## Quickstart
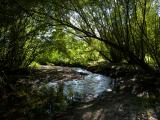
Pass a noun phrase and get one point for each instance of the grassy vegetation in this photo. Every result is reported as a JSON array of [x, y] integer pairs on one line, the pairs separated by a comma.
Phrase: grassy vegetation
[[107, 35]]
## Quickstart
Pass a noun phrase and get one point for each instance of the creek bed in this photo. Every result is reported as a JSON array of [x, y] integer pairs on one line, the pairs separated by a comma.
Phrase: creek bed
[[88, 88]]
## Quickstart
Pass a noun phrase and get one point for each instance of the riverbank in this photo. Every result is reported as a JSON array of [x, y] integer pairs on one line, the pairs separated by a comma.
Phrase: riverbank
[[28, 97], [132, 97], [115, 106]]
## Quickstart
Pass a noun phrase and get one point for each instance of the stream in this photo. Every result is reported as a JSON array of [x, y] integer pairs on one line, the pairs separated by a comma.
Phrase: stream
[[88, 88], [49, 92]]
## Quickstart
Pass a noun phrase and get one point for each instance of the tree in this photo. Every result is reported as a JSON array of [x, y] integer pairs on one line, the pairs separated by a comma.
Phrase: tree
[[122, 25], [17, 28]]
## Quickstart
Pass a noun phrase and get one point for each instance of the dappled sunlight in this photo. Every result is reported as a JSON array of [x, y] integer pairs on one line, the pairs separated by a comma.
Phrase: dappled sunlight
[[115, 107], [49, 89], [39, 91], [98, 115], [80, 60]]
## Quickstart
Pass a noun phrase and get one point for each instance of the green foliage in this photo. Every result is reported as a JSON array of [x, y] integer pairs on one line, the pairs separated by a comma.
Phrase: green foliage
[[121, 25], [52, 31], [34, 65], [67, 50]]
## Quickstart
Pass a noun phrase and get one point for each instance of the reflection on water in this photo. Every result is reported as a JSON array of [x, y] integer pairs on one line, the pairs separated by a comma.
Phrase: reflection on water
[[87, 89], [81, 71], [35, 98]]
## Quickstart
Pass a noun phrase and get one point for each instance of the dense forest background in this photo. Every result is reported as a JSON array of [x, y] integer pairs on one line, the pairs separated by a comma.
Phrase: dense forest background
[[117, 38], [79, 32]]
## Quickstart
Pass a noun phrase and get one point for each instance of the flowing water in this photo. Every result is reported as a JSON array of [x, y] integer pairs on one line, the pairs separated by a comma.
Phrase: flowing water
[[43, 93], [90, 87]]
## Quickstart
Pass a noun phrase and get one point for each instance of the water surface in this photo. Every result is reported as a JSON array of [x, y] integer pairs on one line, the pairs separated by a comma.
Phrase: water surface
[[86, 89]]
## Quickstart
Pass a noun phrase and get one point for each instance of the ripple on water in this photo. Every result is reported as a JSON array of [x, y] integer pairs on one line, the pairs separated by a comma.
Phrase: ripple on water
[[87, 89]]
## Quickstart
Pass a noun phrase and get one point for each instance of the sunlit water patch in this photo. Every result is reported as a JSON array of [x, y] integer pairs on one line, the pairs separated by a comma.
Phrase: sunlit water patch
[[87, 89]]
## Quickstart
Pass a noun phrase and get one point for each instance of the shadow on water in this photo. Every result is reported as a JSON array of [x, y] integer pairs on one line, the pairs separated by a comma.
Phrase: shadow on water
[[65, 93], [86, 89], [47, 92]]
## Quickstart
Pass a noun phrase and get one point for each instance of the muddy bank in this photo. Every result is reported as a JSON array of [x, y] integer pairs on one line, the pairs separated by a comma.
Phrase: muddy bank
[[115, 106], [28, 98]]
